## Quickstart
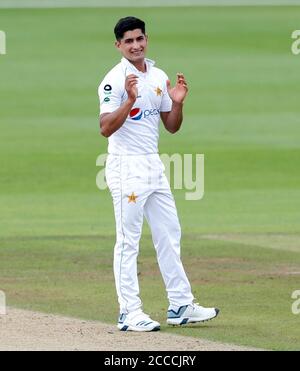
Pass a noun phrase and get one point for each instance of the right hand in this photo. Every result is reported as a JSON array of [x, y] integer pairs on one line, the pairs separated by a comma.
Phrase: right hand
[[131, 87]]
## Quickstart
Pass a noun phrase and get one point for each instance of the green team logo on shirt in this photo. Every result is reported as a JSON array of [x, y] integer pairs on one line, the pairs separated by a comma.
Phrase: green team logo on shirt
[[106, 100]]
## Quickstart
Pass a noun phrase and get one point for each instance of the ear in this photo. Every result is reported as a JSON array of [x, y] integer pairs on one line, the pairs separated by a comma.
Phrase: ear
[[117, 44]]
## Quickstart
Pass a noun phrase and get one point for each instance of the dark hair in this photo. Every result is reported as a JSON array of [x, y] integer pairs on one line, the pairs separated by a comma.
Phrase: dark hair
[[128, 24]]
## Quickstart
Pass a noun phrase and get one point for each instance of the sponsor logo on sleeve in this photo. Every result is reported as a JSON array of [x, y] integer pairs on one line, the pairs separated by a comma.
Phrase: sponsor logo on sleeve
[[107, 87]]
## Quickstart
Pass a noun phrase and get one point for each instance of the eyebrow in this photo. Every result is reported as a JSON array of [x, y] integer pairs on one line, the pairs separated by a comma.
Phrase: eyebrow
[[131, 39]]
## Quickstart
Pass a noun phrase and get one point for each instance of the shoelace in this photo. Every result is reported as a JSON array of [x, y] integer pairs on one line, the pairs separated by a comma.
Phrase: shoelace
[[196, 304], [141, 317]]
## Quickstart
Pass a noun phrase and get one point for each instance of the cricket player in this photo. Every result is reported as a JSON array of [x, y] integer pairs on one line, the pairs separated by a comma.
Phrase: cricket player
[[134, 96]]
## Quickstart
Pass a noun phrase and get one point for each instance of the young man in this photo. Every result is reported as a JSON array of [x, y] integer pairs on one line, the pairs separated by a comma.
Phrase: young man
[[134, 95]]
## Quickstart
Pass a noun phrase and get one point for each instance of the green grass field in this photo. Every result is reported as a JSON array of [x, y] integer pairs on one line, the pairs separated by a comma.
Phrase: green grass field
[[241, 243]]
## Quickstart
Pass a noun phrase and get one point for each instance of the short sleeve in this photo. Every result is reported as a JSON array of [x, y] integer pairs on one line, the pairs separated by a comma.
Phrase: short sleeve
[[166, 103], [110, 95]]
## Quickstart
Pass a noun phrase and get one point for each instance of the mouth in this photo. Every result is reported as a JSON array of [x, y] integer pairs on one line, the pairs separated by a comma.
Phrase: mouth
[[137, 53]]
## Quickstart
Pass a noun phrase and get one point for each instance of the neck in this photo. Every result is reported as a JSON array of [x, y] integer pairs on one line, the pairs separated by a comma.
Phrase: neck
[[141, 65]]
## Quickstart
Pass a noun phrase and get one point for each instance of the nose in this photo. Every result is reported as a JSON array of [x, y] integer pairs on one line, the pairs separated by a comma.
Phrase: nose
[[136, 45]]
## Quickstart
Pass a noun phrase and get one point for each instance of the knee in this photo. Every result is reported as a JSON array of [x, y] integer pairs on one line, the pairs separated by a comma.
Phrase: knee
[[167, 230]]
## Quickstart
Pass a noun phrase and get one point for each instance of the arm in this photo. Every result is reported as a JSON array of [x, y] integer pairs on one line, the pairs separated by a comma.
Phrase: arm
[[111, 122], [172, 120]]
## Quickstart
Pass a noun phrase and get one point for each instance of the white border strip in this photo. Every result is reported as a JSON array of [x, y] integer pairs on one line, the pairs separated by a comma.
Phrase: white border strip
[[138, 3]]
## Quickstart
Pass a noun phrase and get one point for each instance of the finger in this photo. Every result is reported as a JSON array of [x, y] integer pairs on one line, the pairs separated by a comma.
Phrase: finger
[[168, 84], [134, 82], [133, 85], [131, 82], [181, 83], [180, 75], [132, 75], [133, 79], [184, 86]]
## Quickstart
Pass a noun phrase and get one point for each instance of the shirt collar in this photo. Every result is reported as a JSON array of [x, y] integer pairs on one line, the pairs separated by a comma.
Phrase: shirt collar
[[130, 67]]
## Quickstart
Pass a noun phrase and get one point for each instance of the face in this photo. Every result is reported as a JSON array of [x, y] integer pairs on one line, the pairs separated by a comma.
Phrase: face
[[133, 46]]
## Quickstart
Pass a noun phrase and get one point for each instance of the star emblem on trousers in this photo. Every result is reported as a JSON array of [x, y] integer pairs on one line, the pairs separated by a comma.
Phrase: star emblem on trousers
[[132, 198]]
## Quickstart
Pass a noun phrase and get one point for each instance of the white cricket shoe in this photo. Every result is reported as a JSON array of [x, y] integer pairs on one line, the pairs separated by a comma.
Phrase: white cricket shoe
[[191, 313], [137, 321]]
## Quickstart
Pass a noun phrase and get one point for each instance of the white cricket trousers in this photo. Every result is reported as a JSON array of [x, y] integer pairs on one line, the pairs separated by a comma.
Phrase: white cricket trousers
[[140, 188]]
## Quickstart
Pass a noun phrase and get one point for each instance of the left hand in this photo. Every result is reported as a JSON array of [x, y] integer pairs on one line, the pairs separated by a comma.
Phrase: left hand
[[179, 92]]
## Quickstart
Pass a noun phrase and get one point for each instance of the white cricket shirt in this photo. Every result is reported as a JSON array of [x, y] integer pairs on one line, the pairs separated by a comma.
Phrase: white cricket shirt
[[140, 132]]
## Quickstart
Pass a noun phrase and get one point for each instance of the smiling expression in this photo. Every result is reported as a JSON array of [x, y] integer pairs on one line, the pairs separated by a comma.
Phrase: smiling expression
[[133, 46]]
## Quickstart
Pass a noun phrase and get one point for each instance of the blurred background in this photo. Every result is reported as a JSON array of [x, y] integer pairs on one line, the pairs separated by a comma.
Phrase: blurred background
[[241, 242]]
